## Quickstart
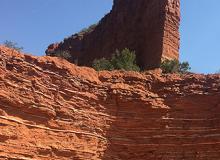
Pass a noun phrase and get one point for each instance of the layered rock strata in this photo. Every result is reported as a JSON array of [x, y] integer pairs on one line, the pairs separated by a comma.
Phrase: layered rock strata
[[149, 27], [51, 109]]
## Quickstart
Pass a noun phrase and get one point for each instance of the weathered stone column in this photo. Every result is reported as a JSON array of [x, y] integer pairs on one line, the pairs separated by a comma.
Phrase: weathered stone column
[[150, 27]]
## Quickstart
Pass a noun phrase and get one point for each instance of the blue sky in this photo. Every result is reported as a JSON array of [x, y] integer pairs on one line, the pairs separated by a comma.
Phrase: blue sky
[[34, 24]]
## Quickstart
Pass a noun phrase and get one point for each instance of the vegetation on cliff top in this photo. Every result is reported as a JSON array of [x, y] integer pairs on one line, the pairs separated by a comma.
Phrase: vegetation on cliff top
[[63, 54], [120, 60], [12, 45], [174, 66], [88, 29], [126, 60]]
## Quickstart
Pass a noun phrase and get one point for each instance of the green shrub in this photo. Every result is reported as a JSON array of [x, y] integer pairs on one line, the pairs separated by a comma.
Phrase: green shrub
[[184, 67], [62, 54], [12, 45], [170, 66], [174, 66], [124, 60], [102, 64], [88, 29]]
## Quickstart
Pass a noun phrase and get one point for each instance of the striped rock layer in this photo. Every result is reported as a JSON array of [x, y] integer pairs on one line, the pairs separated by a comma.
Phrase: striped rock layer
[[51, 109]]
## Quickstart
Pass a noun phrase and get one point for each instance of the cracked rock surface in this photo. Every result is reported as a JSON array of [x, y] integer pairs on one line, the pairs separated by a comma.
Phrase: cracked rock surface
[[51, 109]]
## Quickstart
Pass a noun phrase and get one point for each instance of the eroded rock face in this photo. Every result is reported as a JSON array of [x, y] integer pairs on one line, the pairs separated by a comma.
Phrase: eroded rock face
[[51, 109], [150, 27]]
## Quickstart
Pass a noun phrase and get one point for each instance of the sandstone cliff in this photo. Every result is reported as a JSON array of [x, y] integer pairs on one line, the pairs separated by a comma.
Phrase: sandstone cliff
[[150, 27], [51, 109]]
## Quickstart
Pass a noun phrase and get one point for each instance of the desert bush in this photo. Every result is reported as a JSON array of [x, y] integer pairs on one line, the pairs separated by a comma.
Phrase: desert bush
[[62, 54], [184, 67], [88, 29], [170, 66], [102, 64], [124, 60], [12, 45], [174, 66]]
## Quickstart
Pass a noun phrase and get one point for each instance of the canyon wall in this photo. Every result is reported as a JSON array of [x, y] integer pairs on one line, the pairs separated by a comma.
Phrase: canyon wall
[[52, 109], [149, 27]]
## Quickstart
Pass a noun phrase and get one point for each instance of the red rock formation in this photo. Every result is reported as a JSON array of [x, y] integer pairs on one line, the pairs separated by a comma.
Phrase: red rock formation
[[150, 27], [51, 109]]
